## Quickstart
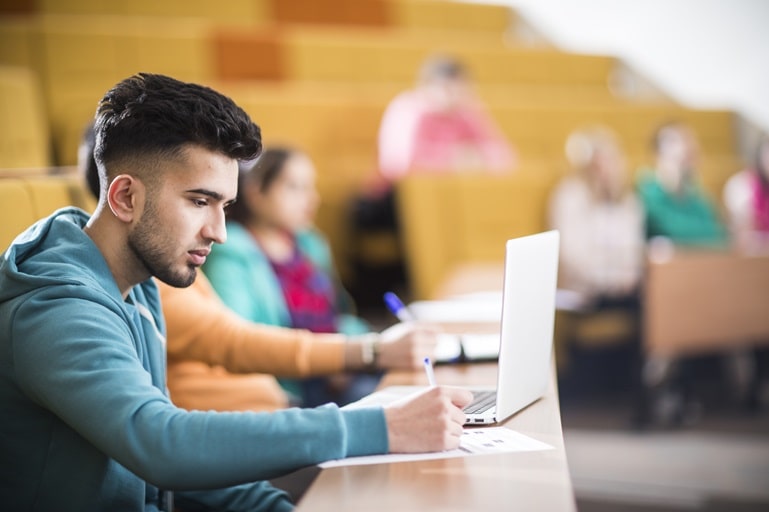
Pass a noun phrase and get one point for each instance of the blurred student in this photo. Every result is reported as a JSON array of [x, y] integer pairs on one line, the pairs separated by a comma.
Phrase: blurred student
[[277, 269], [86, 168], [87, 424], [601, 258], [600, 219], [215, 356], [440, 126], [746, 197], [677, 207], [679, 213]]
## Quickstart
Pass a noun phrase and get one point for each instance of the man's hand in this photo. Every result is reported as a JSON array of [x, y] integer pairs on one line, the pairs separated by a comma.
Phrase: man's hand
[[430, 421], [404, 346]]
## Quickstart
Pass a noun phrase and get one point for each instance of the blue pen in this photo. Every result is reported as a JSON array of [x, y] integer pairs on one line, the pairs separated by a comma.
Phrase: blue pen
[[397, 308], [429, 372]]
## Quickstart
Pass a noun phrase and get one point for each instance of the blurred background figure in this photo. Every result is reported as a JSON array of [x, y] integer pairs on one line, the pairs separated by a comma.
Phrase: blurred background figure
[[679, 215], [440, 126], [601, 222], [746, 197], [86, 164], [677, 207], [276, 269], [86, 167]]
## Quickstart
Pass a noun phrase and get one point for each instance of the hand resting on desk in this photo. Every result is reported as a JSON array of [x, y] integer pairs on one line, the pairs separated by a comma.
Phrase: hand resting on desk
[[430, 421]]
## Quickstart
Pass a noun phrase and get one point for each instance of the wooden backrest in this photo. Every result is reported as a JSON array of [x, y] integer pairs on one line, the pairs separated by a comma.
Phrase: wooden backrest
[[698, 302], [16, 210], [23, 123], [439, 14], [229, 12], [395, 55], [453, 219], [49, 193], [25, 199]]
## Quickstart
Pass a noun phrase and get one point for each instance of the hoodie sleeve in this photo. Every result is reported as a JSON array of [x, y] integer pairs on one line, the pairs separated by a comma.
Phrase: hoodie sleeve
[[86, 362], [202, 328]]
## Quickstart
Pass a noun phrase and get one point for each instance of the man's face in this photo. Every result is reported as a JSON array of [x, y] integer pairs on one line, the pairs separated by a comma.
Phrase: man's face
[[183, 216]]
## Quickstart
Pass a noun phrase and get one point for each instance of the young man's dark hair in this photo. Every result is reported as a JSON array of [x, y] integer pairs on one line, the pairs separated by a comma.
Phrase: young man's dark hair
[[147, 117]]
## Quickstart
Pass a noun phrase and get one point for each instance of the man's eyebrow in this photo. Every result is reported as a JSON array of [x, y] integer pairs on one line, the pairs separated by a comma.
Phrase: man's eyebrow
[[204, 192]]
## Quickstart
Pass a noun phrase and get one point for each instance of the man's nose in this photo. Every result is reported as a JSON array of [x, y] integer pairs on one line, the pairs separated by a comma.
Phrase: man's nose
[[216, 228]]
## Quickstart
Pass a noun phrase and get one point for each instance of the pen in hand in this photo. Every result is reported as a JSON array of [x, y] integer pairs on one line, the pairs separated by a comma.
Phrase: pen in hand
[[397, 308], [429, 372]]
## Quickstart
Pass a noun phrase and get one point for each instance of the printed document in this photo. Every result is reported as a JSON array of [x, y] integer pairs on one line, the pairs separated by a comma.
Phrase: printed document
[[475, 441]]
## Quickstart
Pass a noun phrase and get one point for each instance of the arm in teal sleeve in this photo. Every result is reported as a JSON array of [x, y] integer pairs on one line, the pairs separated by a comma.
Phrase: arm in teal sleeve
[[89, 372]]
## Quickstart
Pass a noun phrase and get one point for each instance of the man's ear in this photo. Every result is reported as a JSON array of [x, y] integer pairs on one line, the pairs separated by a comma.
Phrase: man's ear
[[122, 197]]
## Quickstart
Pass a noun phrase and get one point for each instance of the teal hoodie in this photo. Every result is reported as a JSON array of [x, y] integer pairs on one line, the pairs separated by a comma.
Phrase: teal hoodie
[[86, 421], [244, 279]]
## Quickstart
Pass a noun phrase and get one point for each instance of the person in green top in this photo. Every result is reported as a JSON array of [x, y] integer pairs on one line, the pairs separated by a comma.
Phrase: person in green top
[[676, 206], [678, 211]]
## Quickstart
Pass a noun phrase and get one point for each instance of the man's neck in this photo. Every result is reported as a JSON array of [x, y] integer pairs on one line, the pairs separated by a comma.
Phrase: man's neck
[[109, 238]]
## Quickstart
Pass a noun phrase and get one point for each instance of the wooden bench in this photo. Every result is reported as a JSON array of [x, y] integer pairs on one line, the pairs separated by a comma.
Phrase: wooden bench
[[230, 12], [700, 302], [27, 195], [453, 219], [23, 124]]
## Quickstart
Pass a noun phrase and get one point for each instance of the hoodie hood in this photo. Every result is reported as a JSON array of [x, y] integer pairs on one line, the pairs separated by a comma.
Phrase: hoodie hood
[[53, 247]]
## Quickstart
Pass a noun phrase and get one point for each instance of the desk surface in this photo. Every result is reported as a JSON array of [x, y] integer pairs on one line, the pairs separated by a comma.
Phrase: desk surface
[[700, 302], [528, 480]]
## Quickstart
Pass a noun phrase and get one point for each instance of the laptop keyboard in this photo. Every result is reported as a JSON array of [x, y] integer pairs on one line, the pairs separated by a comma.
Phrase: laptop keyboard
[[482, 400]]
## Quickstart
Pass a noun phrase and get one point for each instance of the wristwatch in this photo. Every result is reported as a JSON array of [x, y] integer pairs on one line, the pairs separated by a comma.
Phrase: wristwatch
[[369, 350]]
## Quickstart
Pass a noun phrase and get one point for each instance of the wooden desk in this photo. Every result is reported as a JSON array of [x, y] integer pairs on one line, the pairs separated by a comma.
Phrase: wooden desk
[[527, 481], [699, 302]]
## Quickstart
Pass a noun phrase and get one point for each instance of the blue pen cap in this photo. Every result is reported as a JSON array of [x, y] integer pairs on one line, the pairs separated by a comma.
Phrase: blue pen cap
[[393, 303]]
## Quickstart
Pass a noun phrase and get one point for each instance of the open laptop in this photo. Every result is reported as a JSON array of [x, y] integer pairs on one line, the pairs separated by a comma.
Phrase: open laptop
[[525, 338], [526, 330]]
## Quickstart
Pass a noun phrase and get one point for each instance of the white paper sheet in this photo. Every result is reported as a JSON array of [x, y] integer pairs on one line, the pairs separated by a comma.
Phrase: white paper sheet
[[475, 441], [458, 311]]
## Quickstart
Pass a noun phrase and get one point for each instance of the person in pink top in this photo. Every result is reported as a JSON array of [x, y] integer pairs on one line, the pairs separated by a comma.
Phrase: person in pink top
[[440, 126], [746, 198]]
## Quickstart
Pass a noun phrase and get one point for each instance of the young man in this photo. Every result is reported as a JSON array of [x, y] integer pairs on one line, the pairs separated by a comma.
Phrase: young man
[[87, 424]]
